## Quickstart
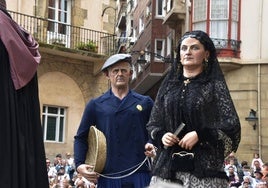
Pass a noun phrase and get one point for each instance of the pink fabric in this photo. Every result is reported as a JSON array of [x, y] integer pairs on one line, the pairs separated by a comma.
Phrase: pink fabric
[[22, 50]]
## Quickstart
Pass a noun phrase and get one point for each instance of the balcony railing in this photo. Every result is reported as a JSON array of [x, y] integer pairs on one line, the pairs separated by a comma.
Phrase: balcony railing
[[61, 34], [227, 48]]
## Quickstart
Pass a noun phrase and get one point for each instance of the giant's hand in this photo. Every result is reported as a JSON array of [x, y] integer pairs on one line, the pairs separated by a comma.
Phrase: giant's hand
[[169, 139], [189, 140], [149, 150], [86, 171]]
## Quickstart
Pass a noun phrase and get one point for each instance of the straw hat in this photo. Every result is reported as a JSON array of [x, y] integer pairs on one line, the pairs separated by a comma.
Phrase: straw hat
[[96, 154]]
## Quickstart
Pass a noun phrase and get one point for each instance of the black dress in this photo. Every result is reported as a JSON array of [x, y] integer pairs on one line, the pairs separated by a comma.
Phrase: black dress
[[22, 154]]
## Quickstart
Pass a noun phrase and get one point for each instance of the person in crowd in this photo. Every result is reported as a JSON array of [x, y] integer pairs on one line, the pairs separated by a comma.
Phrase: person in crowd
[[257, 179], [58, 161], [70, 167], [231, 163], [257, 166], [233, 177], [247, 182], [265, 179], [247, 171], [256, 157], [23, 154], [51, 172], [62, 179], [121, 114], [265, 169], [194, 123], [242, 170]]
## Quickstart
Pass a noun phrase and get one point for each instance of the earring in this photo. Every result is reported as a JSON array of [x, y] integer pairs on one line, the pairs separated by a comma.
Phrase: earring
[[205, 63]]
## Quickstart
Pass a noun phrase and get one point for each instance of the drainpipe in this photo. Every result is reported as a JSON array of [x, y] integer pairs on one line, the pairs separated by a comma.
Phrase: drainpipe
[[19, 5], [259, 78], [187, 5]]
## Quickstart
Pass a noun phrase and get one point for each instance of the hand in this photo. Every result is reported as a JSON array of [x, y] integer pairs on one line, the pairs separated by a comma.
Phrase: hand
[[169, 139], [149, 150], [86, 171], [189, 140]]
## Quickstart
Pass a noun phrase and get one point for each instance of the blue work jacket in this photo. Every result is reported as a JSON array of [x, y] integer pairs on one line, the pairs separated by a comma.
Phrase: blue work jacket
[[123, 124]]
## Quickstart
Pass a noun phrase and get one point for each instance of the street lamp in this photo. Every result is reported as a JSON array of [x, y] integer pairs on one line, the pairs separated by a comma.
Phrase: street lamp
[[252, 118]]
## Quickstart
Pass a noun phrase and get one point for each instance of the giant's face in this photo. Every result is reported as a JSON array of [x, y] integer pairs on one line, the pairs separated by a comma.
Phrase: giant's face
[[192, 53], [119, 74]]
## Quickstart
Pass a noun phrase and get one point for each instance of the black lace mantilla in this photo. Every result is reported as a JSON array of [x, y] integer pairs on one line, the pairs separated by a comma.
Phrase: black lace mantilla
[[204, 104]]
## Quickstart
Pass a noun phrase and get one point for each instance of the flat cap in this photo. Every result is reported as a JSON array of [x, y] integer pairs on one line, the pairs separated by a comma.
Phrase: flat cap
[[115, 59]]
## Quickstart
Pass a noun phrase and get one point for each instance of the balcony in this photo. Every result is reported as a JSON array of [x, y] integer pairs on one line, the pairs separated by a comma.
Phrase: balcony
[[149, 69], [175, 12], [228, 53], [55, 36]]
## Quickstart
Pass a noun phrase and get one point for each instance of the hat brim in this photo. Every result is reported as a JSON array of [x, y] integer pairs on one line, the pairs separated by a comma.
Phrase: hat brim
[[96, 154]]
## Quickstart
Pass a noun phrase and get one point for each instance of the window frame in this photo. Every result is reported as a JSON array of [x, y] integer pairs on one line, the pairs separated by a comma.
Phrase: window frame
[[59, 126], [231, 20], [162, 53]]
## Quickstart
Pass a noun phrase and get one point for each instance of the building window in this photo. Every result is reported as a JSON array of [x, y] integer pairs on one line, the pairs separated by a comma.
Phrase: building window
[[169, 5], [53, 122], [58, 16], [141, 24], [160, 4], [214, 17], [58, 21], [200, 15], [220, 19], [159, 48], [235, 19]]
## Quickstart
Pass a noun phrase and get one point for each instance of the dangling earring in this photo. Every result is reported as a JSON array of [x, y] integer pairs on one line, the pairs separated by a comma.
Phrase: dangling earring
[[205, 63]]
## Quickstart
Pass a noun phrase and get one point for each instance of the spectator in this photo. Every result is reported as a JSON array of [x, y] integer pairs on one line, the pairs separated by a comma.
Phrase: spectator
[[256, 157], [247, 171], [247, 182], [257, 166], [51, 172], [70, 165], [230, 164], [233, 177], [265, 169], [61, 179], [257, 178]]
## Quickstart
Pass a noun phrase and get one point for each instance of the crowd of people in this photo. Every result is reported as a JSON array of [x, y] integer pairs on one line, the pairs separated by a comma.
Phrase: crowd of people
[[241, 174], [246, 174], [62, 173]]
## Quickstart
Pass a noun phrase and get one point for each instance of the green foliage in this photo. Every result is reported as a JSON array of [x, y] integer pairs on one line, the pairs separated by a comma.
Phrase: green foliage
[[89, 46]]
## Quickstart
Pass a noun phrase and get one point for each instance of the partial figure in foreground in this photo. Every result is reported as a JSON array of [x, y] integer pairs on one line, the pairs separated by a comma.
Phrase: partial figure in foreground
[[23, 161], [194, 96]]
